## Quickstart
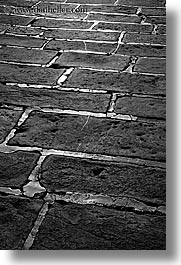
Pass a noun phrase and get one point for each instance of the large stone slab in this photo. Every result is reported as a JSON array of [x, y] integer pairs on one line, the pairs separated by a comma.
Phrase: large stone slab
[[118, 82], [93, 135], [17, 217], [81, 227], [54, 99], [63, 174]]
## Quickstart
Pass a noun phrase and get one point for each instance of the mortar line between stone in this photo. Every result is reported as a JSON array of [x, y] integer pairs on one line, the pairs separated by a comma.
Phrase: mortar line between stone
[[31, 237]]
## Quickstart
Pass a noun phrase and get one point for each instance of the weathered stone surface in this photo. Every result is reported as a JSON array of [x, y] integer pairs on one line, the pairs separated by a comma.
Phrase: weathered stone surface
[[29, 74], [137, 28], [51, 23], [8, 119], [93, 135], [54, 99], [73, 226], [142, 50], [60, 45], [101, 47], [29, 31], [114, 18], [80, 45], [21, 41], [15, 168], [109, 9], [154, 11], [120, 82], [156, 19], [17, 217], [96, 61], [25, 55], [82, 35], [151, 65], [142, 107], [15, 20], [149, 3], [145, 38], [62, 174]]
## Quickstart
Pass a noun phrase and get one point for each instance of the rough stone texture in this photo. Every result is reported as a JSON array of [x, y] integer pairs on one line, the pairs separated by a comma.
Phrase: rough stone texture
[[114, 18], [15, 20], [61, 45], [29, 31], [154, 11], [124, 41], [62, 174], [80, 45], [138, 28], [113, 62], [25, 56], [142, 50], [51, 23], [109, 9], [151, 65], [156, 20], [8, 119], [21, 41], [105, 136], [118, 82], [82, 35], [15, 168], [17, 217], [142, 107], [54, 99], [148, 3], [101, 47], [145, 38], [29, 74], [72, 226]]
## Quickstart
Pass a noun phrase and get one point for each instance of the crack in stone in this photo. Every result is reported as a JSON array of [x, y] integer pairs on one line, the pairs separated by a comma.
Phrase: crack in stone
[[41, 216], [122, 203], [10, 191]]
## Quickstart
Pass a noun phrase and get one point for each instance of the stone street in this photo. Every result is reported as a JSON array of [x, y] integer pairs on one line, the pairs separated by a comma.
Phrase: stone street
[[83, 124]]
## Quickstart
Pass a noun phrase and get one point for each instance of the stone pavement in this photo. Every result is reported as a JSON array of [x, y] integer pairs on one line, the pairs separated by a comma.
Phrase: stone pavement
[[82, 124]]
